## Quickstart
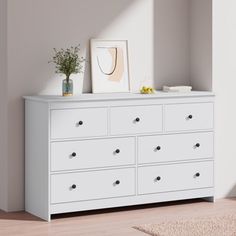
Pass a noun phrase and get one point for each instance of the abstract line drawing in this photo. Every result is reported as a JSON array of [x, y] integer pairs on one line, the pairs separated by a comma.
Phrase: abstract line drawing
[[109, 66]]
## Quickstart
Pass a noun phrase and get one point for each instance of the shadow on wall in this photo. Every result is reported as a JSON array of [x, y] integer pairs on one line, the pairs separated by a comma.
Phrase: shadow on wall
[[232, 192], [34, 28], [171, 43], [48, 24]]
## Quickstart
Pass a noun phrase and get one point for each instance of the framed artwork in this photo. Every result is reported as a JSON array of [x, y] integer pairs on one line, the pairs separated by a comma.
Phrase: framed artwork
[[109, 65]]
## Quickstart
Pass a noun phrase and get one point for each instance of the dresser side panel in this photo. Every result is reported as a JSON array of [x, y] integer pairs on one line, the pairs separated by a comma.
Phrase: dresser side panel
[[37, 159]]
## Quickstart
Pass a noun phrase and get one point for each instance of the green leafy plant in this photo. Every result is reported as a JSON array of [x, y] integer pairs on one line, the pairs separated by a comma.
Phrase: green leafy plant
[[67, 61]]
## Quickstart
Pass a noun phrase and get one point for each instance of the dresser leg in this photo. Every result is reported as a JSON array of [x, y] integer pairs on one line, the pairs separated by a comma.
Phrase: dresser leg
[[209, 199]]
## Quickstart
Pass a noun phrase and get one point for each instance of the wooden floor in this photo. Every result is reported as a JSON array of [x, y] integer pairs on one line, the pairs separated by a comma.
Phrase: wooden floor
[[117, 222]]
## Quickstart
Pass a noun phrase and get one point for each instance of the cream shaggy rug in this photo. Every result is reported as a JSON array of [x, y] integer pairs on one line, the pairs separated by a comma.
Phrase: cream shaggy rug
[[207, 226]]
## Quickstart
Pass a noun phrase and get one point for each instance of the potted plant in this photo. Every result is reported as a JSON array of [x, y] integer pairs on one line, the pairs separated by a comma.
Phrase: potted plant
[[67, 62]]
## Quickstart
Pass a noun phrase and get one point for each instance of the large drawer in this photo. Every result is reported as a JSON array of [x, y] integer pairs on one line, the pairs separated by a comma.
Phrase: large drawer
[[174, 147], [181, 117], [92, 153], [92, 185], [156, 179], [72, 123], [136, 119]]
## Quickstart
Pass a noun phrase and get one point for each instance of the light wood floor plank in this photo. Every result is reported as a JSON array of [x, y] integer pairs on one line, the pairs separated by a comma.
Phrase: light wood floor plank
[[117, 222]]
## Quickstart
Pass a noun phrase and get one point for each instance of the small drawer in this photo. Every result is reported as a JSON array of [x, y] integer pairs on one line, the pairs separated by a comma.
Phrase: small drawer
[[156, 179], [73, 123], [92, 185], [181, 117], [174, 147], [92, 153], [136, 119]]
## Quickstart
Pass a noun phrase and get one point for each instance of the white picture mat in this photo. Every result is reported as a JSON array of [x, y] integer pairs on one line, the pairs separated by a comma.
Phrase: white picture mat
[[99, 83]]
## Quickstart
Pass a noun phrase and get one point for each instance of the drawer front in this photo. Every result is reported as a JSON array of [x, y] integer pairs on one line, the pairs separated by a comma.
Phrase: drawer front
[[165, 178], [92, 185], [92, 153], [72, 123], [180, 117], [136, 119], [162, 148]]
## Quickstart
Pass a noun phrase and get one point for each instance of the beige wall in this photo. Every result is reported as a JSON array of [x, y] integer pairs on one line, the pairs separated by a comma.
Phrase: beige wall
[[3, 104], [35, 27], [224, 84], [171, 43], [158, 32], [201, 44]]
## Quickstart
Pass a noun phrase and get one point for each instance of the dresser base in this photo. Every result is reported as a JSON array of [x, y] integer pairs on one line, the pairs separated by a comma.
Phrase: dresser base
[[206, 193]]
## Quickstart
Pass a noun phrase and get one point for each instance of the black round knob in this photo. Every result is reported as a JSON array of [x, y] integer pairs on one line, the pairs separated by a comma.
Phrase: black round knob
[[158, 178], [73, 186], [197, 145], [158, 148], [73, 154], [117, 182], [117, 151], [80, 122], [197, 174], [190, 117], [137, 119]]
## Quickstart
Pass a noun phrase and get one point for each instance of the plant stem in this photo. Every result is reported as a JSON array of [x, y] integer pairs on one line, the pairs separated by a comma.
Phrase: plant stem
[[67, 79]]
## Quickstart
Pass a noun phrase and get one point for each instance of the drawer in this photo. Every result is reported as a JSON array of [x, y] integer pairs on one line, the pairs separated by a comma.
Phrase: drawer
[[92, 185], [92, 153], [180, 117], [72, 123], [165, 178], [162, 148], [136, 119]]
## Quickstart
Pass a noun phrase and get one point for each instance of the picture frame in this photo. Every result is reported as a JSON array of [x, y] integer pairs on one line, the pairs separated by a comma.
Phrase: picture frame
[[109, 66]]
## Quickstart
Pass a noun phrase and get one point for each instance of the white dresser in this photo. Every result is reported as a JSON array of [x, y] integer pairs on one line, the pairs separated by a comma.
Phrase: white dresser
[[103, 151]]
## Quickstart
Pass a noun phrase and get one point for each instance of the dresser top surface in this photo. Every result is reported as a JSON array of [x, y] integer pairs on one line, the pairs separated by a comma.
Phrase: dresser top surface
[[117, 96]]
